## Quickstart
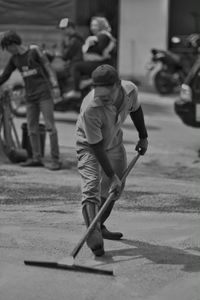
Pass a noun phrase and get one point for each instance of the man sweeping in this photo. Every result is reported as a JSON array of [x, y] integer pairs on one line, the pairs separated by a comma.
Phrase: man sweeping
[[100, 151]]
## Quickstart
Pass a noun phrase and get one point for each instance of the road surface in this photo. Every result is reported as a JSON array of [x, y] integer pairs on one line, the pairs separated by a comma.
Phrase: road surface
[[159, 256]]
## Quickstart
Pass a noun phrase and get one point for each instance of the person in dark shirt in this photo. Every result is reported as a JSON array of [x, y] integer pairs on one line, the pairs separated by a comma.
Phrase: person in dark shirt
[[41, 86], [96, 51], [68, 52], [72, 41]]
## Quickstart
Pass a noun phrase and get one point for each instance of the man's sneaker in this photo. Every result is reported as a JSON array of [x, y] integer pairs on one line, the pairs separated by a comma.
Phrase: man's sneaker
[[108, 235], [32, 163], [54, 165]]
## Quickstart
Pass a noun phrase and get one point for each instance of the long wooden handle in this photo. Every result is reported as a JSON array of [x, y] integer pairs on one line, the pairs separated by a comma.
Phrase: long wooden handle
[[110, 198]]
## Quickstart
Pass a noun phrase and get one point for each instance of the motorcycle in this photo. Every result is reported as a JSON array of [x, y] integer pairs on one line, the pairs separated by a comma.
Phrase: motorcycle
[[61, 104], [187, 107], [168, 69]]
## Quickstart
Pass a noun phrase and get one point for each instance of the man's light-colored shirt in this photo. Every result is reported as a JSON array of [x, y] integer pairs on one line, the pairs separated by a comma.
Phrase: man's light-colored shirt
[[100, 120]]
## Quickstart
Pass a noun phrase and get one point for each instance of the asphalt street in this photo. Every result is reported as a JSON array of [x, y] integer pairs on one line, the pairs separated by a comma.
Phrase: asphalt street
[[158, 213]]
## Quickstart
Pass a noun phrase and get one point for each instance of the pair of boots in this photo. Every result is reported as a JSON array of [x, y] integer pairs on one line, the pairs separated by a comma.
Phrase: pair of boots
[[100, 232]]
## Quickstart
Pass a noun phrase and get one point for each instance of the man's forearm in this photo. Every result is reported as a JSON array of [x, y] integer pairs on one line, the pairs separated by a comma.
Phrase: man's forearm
[[102, 157], [138, 120], [46, 64]]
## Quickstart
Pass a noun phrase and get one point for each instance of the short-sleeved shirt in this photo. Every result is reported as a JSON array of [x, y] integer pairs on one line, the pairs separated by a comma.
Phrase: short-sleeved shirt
[[35, 77], [102, 121]]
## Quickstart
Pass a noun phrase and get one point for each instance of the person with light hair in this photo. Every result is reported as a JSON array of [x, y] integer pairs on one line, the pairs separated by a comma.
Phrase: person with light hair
[[97, 50]]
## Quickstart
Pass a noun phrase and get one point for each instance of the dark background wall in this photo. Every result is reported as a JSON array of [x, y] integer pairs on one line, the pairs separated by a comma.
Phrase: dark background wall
[[48, 12], [184, 18], [35, 12]]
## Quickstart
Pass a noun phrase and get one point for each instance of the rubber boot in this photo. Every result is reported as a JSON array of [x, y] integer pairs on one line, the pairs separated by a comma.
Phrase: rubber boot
[[53, 136], [36, 146], [95, 240], [36, 160], [108, 235]]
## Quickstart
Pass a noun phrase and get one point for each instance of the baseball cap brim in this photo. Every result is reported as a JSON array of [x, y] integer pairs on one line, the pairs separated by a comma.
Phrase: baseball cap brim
[[100, 91]]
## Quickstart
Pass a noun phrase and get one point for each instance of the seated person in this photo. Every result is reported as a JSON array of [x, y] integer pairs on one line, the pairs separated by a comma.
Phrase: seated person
[[96, 51], [69, 51]]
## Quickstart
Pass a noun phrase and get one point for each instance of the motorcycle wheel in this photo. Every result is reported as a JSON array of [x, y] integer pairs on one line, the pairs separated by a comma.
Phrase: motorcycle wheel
[[162, 83], [17, 101]]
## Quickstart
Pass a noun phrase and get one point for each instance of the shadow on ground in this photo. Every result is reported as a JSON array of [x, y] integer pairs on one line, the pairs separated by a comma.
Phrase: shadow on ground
[[157, 254]]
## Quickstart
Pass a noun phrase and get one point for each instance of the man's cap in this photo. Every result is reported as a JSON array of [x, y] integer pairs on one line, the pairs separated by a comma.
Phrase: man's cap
[[104, 75], [65, 22]]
